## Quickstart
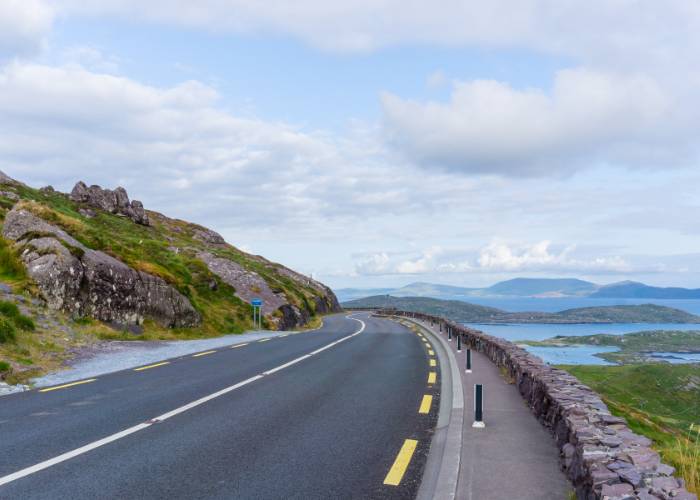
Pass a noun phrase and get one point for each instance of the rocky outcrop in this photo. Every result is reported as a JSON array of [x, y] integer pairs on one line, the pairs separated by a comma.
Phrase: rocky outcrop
[[88, 283], [114, 202], [7, 180], [208, 236], [276, 307], [325, 302], [602, 457], [250, 285]]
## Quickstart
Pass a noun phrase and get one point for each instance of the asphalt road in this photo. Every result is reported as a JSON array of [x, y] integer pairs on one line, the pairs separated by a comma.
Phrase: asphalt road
[[215, 425]]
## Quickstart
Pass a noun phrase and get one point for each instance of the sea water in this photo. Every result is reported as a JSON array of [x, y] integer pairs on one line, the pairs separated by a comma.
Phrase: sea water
[[580, 354]]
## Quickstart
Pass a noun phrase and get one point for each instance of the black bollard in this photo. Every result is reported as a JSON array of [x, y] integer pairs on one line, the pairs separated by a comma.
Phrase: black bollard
[[459, 342], [469, 360], [478, 406], [449, 333]]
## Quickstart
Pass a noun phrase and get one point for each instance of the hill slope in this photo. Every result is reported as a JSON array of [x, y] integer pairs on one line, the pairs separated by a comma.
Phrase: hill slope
[[470, 313], [529, 287], [634, 290], [95, 254]]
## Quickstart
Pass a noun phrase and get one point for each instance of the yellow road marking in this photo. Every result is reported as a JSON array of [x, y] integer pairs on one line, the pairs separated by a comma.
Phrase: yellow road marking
[[425, 404], [151, 366], [239, 345], [433, 362], [49, 389], [203, 354], [432, 376], [395, 475], [263, 340], [431, 352]]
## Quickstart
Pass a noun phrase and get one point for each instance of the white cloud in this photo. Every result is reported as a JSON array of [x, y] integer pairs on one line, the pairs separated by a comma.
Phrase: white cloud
[[588, 117], [493, 259], [595, 29], [24, 25], [500, 257]]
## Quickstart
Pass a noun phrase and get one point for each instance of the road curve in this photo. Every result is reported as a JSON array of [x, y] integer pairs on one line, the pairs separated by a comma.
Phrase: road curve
[[326, 414]]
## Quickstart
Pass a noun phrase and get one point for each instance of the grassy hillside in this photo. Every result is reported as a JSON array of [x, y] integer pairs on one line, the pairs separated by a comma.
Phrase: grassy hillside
[[465, 312], [658, 400], [168, 248]]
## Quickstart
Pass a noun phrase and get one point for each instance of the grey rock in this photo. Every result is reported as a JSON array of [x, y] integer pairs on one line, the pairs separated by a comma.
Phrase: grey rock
[[114, 202], [47, 189], [250, 285], [618, 491], [10, 195], [632, 476], [84, 282], [208, 236], [6, 179]]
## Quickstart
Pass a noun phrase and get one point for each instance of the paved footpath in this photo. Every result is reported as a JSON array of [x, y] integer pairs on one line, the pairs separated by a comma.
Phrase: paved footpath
[[514, 457]]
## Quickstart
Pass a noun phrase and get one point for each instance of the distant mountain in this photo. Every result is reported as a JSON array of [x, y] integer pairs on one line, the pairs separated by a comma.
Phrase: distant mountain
[[530, 287], [464, 312], [432, 290], [635, 290]]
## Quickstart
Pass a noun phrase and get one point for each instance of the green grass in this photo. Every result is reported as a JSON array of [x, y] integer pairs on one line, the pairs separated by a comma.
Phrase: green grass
[[658, 400], [150, 249]]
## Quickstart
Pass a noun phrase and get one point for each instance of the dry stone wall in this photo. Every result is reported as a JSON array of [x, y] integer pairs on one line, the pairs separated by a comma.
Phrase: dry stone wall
[[601, 456]]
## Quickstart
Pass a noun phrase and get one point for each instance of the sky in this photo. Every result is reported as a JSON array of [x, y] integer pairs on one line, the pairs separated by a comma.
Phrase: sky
[[377, 143]]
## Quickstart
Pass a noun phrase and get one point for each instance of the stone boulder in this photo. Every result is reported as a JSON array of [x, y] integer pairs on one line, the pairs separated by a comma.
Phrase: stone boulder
[[208, 236], [114, 202], [88, 283]]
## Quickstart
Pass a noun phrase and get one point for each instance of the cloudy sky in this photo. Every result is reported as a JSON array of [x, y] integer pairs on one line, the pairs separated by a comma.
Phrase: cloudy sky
[[376, 143]]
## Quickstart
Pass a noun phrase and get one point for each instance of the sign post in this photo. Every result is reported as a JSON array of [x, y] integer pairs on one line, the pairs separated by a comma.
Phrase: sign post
[[257, 312]]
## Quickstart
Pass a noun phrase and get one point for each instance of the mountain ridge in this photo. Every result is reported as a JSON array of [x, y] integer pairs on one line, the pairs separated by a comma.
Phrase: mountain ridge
[[465, 312], [529, 287]]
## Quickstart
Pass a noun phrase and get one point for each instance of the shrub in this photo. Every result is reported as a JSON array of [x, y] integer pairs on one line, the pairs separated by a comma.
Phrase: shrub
[[4, 366], [7, 331], [9, 309], [11, 266], [25, 323], [11, 313]]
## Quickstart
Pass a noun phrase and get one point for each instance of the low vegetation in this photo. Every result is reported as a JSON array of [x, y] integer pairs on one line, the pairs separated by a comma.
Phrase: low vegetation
[[658, 400], [634, 347]]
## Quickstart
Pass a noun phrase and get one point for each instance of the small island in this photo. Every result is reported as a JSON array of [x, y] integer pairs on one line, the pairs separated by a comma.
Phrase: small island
[[465, 312], [639, 347]]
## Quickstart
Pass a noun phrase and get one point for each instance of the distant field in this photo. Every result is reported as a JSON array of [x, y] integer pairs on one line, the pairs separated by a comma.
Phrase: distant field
[[660, 401]]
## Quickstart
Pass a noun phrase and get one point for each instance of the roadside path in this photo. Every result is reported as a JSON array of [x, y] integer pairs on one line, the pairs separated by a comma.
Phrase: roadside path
[[513, 457]]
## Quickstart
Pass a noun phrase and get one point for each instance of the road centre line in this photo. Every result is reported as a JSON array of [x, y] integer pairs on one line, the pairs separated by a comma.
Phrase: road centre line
[[432, 377], [131, 430], [239, 345], [433, 362]]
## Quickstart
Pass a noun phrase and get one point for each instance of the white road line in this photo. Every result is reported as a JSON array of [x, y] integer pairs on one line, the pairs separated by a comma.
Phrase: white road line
[[165, 416]]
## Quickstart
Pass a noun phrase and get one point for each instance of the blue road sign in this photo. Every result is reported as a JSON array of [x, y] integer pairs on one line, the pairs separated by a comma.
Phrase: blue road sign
[[256, 302]]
